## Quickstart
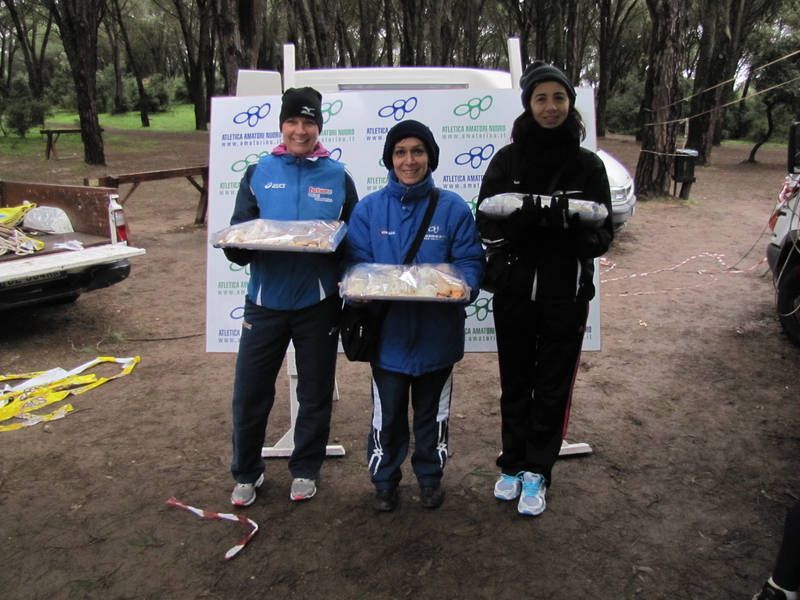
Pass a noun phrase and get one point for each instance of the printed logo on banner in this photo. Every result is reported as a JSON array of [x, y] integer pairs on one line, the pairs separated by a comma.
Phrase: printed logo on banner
[[253, 115], [331, 109], [398, 109], [250, 159], [460, 119], [476, 156], [480, 311], [474, 107]]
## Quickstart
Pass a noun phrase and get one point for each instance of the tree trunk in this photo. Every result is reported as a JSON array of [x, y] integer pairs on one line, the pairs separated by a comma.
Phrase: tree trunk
[[767, 135], [661, 94], [368, 17], [26, 38], [389, 26], [714, 49], [309, 36], [240, 27], [134, 64], [78, 22]]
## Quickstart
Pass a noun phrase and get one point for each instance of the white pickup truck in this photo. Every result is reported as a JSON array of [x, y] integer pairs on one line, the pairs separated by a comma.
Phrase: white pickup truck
[[53, 274]]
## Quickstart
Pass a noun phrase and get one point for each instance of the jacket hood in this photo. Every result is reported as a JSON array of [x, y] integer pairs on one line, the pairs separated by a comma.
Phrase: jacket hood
[[319, 151], [408, 193]]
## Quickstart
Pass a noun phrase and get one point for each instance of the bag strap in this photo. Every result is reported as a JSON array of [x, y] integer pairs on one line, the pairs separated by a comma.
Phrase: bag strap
[[412, 252], [423, 227]]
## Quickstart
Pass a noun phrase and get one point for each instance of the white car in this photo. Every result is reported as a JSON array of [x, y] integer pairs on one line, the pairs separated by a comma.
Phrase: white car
[[623, 196], [783, 256]]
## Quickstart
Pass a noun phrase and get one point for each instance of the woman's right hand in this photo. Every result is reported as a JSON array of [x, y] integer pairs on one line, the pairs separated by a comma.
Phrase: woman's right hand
[[522, 221]]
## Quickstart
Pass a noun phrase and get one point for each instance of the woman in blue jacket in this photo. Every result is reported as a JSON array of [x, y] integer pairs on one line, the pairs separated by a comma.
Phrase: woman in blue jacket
[[420, 341], [291, 296]]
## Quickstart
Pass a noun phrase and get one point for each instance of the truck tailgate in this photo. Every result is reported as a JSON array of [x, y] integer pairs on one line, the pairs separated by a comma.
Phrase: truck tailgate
[[62, 261]]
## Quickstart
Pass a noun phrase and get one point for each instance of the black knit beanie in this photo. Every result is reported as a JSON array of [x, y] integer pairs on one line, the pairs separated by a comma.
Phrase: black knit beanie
[[539, 72], [411, 129], [302, 102]]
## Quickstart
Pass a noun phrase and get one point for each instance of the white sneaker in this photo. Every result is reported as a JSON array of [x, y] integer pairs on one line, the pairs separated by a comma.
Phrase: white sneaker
[[531, 501], [303, 489], [244, 494], [508, 487]]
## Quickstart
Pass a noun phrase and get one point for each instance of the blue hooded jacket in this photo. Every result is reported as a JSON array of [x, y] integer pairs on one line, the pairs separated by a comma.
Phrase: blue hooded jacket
[[418, 337], [289, 188]]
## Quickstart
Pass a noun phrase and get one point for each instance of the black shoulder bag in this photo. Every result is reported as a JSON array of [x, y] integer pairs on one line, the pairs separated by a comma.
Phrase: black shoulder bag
[[361, 327]]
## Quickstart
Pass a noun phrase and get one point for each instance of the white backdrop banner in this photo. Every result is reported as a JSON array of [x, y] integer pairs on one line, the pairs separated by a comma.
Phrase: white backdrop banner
[[469, 126]]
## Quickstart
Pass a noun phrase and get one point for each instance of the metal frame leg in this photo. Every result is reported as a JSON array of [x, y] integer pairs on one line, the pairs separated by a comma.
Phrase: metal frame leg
[[568, 449]]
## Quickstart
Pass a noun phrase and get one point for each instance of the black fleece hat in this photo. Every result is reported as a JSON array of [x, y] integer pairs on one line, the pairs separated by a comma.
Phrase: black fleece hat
[[302, 102], [539, 72], [411, 129]]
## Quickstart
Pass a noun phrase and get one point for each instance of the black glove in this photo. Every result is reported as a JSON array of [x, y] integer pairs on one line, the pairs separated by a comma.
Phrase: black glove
[[239, 256], [557, 215], [522, 222]]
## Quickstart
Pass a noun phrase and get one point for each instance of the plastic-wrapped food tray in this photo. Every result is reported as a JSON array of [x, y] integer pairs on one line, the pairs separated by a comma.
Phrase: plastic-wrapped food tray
[[425, 282], [282, 236], [502, 205]]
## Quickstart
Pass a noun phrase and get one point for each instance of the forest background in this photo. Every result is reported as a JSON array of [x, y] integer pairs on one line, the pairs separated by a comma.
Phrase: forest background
[[704, 70]]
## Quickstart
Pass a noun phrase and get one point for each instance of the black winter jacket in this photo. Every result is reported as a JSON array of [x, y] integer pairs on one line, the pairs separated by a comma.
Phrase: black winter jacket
[[548, 264]]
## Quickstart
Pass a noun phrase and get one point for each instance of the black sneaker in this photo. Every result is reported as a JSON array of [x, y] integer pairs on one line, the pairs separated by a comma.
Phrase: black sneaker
[[431, 496], [385, 500], [770, 593]]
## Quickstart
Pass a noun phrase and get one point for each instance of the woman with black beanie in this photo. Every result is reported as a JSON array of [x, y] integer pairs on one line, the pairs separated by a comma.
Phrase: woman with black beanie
[[541, 261], [420, 341]]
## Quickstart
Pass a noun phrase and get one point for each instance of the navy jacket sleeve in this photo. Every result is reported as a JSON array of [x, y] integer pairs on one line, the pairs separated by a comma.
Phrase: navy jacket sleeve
[[245, 209]]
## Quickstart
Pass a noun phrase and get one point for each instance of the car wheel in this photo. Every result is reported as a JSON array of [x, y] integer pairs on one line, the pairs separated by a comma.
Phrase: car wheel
[[789, 302]]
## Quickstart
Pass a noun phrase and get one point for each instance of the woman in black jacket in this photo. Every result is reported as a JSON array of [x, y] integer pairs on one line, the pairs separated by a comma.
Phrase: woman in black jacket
[[542, 259]]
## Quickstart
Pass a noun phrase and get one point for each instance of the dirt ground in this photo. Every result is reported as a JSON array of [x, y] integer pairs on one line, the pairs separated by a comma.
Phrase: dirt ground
[[691, 409]]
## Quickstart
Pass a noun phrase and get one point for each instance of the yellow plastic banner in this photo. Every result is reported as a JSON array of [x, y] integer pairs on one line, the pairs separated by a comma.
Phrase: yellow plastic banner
[[13, 215], [18, 402]]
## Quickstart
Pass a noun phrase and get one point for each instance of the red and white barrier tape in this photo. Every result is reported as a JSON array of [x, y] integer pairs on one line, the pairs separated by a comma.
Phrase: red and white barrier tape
[[719, 257], [227, 516]]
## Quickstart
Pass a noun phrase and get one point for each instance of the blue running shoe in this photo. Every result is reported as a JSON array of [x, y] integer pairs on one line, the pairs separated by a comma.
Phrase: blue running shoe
[[508, 487], [531, 501]]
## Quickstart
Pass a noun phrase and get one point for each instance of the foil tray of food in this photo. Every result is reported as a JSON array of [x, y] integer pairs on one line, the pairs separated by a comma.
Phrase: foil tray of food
[[282, 236], [426, 282]]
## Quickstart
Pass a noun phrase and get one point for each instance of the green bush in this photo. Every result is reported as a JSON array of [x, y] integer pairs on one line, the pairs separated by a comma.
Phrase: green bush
[[61, 90], [622, 109], [159, 91], [21, 112], [107, 101]]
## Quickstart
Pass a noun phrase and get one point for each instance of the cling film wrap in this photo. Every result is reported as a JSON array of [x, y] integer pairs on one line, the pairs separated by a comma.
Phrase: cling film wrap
[[426, 282], [20, 401], [283, 236], [502, 206]]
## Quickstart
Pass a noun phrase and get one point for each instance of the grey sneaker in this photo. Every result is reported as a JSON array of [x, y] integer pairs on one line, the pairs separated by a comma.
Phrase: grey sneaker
[[531, 501], [303, 489], [244, 494], [508, 487]]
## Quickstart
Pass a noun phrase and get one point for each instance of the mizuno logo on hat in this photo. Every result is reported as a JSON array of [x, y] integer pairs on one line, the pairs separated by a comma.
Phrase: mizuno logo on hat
[[307, 110]]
